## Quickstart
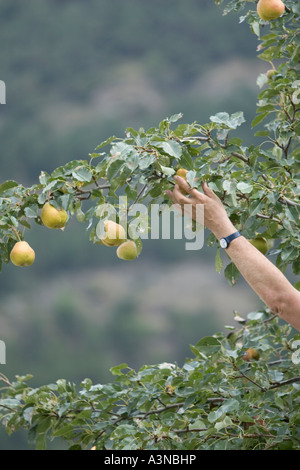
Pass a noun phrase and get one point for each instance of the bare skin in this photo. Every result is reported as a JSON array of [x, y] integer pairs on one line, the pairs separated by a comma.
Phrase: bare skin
[[264, 277]]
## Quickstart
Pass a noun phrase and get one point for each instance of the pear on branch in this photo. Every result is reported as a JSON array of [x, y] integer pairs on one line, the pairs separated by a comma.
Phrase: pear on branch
[[262, 244], [127, 250], [114, 234], [52, 217], [182, 172], [269, 10], [251, 354], [22, 254]]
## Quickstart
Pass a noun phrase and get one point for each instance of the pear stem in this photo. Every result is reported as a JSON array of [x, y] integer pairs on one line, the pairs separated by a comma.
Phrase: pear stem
[[16, 232]]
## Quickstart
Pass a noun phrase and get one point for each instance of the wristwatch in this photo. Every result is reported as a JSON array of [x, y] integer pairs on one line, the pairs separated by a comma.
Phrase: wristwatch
[[224, 242]]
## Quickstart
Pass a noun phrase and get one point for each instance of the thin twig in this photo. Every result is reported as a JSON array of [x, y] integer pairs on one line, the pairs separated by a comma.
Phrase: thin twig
[[160, 410]]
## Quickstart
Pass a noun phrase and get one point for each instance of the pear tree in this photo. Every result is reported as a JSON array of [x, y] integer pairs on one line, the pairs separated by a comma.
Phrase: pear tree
[[218, 399]]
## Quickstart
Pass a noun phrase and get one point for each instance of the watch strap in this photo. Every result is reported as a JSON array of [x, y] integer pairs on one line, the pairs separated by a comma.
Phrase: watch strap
[[232, 237]]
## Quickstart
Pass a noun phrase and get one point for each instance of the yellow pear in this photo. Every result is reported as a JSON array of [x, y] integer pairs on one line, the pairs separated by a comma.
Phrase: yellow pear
[[114, 234], [52, 217], [127, 251], [22, 254], [270, 9], [182, 172], [251, 354]]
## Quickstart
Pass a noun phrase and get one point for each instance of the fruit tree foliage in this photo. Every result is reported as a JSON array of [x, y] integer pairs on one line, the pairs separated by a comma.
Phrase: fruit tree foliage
[[217, 399]]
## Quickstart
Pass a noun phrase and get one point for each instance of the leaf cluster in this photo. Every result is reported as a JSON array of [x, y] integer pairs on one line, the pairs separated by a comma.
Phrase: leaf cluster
[[216, 400]]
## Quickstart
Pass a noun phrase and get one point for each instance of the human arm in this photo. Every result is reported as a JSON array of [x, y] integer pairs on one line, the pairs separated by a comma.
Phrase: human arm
[[264, 277]]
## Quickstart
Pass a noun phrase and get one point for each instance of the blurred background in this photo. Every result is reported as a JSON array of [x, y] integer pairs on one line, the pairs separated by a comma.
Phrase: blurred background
[[77, 72]]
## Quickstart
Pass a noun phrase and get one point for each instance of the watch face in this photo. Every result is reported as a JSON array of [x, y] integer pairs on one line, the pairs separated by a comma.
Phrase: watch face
[[223, 243]]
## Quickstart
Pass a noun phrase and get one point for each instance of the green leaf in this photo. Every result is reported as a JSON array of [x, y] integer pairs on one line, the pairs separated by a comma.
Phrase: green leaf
[[65, 431], [262, 133], [289, 253], [8, 185], [258, 119], [231, 121], [41, 442], [255, 207], [236, 141], [262, 80], [132, 160], [67, 169], [82, 174], [186, 160], [146, 159], [32, 211], [106, 142], [232, 274], [116, 370], [255, 315], [10, 402], [124, 430], [120, 150], [230, 405], [255, 26], [198, 424], [208, 341], [170, 147], [114, 168], [218, 261], [167, 170], [245, 188], [175, 117], [191, 178]]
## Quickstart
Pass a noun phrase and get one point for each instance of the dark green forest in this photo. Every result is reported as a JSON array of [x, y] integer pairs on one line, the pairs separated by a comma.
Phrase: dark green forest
[[77, 72]]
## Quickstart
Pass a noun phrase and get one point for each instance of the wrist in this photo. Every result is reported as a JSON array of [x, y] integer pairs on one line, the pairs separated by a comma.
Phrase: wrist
[[224, 230]]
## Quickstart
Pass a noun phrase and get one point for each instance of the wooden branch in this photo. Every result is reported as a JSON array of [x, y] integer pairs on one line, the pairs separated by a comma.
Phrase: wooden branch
[[285, 382]]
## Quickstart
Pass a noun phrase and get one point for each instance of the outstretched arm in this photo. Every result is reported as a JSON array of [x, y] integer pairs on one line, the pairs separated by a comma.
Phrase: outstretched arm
[[264, 277]]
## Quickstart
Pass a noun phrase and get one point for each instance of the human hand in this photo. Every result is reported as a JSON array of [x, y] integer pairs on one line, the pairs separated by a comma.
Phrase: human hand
[[215, 216]]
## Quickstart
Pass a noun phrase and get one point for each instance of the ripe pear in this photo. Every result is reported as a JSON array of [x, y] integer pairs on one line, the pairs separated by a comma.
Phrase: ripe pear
[[270, 9], [127, 251], [22, 254], [260, 243], [114, 234], [251, 354], [52, 217], [182, 172]]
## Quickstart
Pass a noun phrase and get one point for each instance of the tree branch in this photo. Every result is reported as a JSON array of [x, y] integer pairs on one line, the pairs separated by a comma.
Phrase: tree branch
[[285, 382]]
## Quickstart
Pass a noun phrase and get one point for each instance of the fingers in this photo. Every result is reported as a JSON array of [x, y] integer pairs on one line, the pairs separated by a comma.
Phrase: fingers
[[184, 185], [208, 192], [177, 197]]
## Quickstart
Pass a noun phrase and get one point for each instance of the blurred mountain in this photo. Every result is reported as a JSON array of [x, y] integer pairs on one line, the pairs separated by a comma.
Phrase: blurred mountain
[[77, 72]]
